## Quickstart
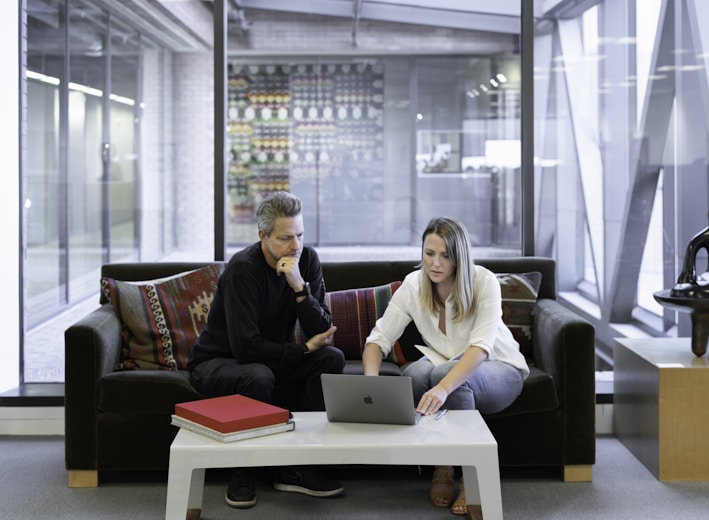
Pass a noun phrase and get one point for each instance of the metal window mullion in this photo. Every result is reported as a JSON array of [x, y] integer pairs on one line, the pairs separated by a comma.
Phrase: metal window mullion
[[527, 125], [220, 104], [137, 148], [106, 216], [63, 165]]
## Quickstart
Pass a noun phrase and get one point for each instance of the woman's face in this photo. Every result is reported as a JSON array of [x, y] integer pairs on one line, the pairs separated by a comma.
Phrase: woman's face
[[438, 266]]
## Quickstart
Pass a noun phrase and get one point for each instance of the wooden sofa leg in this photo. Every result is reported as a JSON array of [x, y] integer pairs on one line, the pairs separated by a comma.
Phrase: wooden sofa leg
[[578, 473], [83, 478]]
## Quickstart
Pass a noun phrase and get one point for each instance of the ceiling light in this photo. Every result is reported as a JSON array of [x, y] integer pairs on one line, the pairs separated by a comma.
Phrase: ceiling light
[[42, 77], [122, 99], [86, 90], [79, 88]]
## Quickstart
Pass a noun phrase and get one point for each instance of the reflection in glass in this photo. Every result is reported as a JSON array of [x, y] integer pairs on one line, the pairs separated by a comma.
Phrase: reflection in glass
[[83, 188], [337, 133]]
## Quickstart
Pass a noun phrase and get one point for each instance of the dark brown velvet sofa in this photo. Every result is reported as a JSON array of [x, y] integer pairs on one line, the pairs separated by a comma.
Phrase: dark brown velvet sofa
[[120, 420]]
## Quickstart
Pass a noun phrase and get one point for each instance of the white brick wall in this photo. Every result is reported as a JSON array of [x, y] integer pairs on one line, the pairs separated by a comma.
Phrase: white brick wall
[[194, 152]]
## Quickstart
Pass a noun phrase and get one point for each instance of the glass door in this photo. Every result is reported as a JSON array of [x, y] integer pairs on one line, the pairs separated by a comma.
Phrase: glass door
[[121, 159], [87, 129], [81, 176]]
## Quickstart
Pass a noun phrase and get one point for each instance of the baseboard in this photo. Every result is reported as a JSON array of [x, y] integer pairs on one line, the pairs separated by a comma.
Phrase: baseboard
[[37, 420], [604, 419], [32, 420]]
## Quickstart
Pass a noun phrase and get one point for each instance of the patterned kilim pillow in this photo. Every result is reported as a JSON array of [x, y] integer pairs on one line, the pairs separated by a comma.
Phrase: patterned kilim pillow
[[354, 312], [162, 318], [519, 295]]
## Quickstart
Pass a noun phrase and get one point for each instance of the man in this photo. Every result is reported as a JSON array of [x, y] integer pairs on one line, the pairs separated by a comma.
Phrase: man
[[247, 346]]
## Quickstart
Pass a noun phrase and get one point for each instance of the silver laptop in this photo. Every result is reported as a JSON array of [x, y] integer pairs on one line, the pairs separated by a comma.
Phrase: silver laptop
[[369, 399]]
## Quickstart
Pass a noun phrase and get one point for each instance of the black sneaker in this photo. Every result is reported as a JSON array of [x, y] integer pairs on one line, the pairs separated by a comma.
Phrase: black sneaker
[[241, 492], [301, 479]]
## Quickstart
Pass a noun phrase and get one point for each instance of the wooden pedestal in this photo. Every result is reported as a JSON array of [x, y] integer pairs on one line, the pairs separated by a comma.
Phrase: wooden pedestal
[[661, 406]]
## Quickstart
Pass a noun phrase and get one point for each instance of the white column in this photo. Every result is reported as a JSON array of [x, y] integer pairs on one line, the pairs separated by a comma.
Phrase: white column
[[9, 198]]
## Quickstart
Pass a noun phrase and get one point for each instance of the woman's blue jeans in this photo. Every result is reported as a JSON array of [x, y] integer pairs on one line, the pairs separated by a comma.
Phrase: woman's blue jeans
[[491, 388]]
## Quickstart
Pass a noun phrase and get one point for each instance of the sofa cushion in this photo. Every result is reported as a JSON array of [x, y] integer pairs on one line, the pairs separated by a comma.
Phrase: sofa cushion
[[538, 395], [162, 318], [124, 392], [354, 312], [519, 296]]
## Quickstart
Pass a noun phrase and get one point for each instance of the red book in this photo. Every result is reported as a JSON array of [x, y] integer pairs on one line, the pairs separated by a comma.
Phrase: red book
[[231, 413]]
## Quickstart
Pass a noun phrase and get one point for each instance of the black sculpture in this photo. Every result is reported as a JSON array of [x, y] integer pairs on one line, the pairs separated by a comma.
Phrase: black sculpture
[[691, 294]]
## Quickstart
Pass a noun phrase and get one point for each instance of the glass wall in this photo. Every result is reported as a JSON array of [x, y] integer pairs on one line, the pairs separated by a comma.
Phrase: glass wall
[[468, 145], [377, 137], [376, 146], [100, 179], [379, 120], [621, 137]]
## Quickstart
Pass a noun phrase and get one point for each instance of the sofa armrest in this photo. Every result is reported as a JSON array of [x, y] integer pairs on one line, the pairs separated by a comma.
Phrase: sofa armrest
[[564, 346], [91, 349]]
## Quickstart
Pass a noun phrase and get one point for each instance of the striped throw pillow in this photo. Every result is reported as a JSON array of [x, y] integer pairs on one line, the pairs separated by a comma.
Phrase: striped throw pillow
[[354, 312], [519, 296], [162, 318]]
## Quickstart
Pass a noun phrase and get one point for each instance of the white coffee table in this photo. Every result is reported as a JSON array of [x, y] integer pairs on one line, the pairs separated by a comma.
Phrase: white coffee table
[[461, 438]]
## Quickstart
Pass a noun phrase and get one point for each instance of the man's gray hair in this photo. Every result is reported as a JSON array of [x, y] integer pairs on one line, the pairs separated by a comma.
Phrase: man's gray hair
[[277, 204]]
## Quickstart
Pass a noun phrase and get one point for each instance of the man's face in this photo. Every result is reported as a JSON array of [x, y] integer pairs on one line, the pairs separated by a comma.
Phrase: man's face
[[286, 239]]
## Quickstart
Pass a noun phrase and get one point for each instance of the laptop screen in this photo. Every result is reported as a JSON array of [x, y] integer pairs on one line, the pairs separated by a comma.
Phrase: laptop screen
[[369, 399]]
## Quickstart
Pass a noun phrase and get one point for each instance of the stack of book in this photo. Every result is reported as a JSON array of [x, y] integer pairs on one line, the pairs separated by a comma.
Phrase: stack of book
[[232, 418]]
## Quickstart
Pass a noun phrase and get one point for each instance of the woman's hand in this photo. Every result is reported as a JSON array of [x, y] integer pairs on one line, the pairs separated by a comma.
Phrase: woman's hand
[[432, 400]]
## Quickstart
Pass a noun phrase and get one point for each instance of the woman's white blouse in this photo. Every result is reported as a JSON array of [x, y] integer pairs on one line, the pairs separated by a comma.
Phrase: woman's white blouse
[[482, 328]]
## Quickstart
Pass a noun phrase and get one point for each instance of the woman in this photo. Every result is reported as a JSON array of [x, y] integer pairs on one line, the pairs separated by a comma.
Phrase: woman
[[457, 308]]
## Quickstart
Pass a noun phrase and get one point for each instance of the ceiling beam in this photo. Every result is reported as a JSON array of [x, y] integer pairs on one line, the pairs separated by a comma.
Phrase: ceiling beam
[[153, 18], [399, 12], [355, 23]]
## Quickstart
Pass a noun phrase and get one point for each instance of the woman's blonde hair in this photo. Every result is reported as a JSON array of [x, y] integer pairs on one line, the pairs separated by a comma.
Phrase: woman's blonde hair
[[457, 243]]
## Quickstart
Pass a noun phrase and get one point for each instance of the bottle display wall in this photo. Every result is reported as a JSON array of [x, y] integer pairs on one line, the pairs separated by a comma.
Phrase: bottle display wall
[[259, 136], [319, 126]]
